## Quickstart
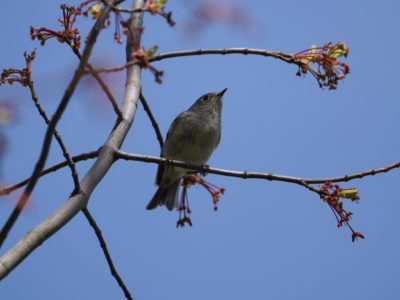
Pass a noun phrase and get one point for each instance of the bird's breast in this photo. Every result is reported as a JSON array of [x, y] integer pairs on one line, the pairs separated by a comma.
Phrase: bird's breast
[[194, 142]]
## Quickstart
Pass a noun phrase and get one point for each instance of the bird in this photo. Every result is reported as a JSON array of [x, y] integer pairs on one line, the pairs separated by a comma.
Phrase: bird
[[191, 138]]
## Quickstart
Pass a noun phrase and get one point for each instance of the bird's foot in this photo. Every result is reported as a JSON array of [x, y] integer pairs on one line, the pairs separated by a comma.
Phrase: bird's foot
[[204, 171]]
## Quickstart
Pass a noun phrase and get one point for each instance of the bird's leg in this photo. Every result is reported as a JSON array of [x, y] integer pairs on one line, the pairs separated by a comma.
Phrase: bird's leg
[[204, 171]]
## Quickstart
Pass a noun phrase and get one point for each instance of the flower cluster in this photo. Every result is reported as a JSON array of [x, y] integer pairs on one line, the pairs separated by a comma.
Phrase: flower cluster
[[329, 70], [68, 34], [183, 208], [21, 76], [332, 195]]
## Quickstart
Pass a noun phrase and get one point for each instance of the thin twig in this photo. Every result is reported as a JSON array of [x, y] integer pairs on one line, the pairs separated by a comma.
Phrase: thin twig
[[310, 187], [106, 90], [256, 175], [57, 135], [359, 175], [245, 51], [102, 84], [205, 169], [84, 156], [152, 119], [103, 246]]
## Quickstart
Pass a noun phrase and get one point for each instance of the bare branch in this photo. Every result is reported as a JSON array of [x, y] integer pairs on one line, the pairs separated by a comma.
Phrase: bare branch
[[84, 156], [152, 120], [106, 90], [358, 175], [205, 169], [102, 84], [106, 158], [103, 246], [257, 175], [245, 51], [57, 135], [85, 210], [321, 62], [52, 125], [72, 165]]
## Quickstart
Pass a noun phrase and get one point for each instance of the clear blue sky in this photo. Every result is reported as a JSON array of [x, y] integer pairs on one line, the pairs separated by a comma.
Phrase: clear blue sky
[[268, 240]]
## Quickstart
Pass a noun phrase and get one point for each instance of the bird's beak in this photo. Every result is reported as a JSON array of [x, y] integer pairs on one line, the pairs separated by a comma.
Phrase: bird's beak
[[221, 93]]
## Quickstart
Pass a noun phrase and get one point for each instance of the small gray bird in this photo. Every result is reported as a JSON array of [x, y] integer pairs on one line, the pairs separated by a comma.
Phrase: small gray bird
[[192, 138]]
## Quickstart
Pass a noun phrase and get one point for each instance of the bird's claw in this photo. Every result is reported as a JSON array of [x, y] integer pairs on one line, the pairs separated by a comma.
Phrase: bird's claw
[[205, 168]]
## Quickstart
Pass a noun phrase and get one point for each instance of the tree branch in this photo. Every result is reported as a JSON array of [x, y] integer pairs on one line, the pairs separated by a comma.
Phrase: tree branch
[[153, 121], [71, 164], [103, 245], [84, 156], [245, 51], [75, 177], [288, 58], [102, 84], [57, 135], [205, 169], [106, 158], [106, 90], [52, 125], [256, 175]]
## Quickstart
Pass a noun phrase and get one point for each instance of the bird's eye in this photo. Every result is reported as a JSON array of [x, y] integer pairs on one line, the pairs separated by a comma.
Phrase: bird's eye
[[205, 98]]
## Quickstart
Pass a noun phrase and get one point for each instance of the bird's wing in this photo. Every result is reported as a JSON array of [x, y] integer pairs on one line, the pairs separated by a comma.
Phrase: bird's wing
[[176, 123]]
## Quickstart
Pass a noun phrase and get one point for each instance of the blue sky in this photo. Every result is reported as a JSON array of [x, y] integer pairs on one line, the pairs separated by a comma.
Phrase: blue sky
[[268, 239]]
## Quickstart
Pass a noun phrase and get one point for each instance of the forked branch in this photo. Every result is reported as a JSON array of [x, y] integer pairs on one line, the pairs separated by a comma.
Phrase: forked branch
[[52, 125], [106, 158]]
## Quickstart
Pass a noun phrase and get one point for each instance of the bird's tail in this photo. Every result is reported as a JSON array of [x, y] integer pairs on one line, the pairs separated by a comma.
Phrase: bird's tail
[[165, 195]]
